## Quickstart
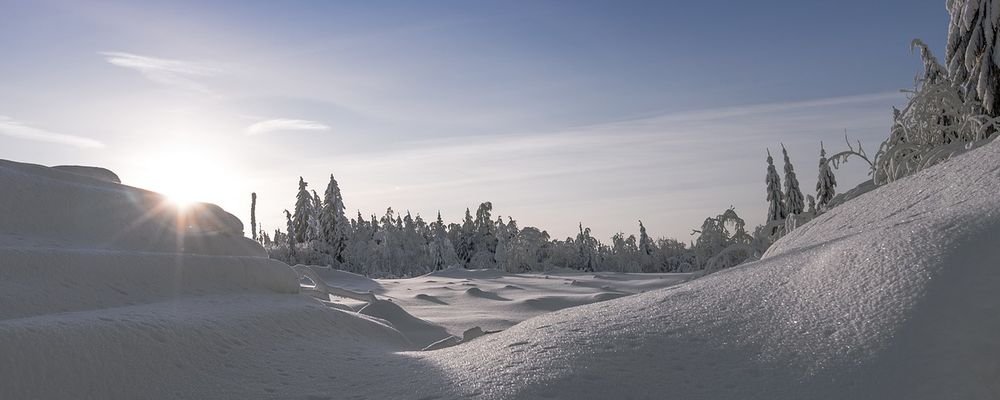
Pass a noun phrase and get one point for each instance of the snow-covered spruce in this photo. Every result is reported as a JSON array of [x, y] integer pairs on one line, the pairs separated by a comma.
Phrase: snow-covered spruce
[[335, 225], [826, 182], [300, 216], [971, 55], [775, 198], [794, 201]]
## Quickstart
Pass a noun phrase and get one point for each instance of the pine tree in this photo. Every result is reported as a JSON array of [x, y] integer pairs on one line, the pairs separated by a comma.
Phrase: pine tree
[[795, 202], [645, 243], [314, 233], [289, 226], [646, 248], [253, 215], [300, 219], [971, 55], [442, 251], [826, 183], [334, 223], [776, 199]]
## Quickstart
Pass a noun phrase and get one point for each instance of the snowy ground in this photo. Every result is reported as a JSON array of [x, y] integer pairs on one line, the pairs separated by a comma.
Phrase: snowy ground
[[890, 295], [457, 300]]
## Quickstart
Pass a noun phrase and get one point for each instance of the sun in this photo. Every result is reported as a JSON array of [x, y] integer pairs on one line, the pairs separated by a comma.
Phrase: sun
[[181, 198], [184, 176]]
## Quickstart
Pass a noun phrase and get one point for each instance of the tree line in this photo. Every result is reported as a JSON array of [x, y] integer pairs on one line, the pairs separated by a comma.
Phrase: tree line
[[318, 232]]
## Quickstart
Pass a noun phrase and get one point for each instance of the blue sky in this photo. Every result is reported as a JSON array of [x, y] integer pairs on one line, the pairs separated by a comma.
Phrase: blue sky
[[558, 112]]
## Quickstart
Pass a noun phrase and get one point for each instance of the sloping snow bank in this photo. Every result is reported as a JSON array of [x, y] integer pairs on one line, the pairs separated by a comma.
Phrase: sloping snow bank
[[891, 295]]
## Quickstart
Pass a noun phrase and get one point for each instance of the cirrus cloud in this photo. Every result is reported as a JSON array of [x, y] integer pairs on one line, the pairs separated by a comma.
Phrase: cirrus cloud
[[17, 129], [176, 73], [284, 125]]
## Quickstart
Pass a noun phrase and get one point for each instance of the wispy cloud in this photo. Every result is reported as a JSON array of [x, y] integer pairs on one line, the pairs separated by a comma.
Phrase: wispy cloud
[[13, 128], [284, 125], [176, 73]]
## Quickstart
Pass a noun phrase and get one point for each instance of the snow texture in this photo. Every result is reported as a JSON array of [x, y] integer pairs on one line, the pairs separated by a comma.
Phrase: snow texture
[[890, 295]]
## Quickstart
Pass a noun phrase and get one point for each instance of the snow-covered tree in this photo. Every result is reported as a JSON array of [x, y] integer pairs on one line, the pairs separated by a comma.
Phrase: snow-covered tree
[[314, 233], [300, 218], [971, 54], [587, 247], [811, 202], [775, 198], [624, 252], [528, 250], [794, 201], [290, 227], [826, 183], [645, 243], [466, 235], [442, 250], [334, 223], [646, 249], [939, 121], [723, 242], [485, 237]]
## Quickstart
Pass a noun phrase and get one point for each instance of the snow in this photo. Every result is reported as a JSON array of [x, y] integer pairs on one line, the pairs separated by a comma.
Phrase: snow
[[98, 173], [890, 295], [47, 207], [459, 299]]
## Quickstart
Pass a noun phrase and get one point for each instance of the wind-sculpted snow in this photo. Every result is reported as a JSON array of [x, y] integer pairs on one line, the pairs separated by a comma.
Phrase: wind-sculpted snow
[[892, 295], [102, 174], [47, 207]]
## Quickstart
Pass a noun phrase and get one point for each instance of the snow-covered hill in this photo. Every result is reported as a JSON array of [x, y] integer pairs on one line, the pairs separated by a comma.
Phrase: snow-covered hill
[[891, 295]]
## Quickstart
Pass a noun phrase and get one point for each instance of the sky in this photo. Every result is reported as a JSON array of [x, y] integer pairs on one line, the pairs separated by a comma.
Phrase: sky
[[558, 112]]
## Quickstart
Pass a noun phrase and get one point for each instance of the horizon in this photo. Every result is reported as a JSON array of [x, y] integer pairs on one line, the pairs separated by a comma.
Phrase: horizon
[[539, 109]]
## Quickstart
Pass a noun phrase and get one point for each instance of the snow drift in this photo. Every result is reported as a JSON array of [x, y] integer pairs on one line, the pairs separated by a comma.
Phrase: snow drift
[[891, 295], [49, 207]]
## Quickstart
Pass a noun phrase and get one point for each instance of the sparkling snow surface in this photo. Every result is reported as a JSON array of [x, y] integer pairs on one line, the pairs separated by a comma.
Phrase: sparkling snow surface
[[891, 295]]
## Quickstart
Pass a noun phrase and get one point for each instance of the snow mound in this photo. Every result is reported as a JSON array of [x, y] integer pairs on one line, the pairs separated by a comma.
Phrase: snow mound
[[52, 208], [477, 292], [420, 332], [432, 299], [101, 174], [553, 303], [346, 280], [72, 243], [890, 295]]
